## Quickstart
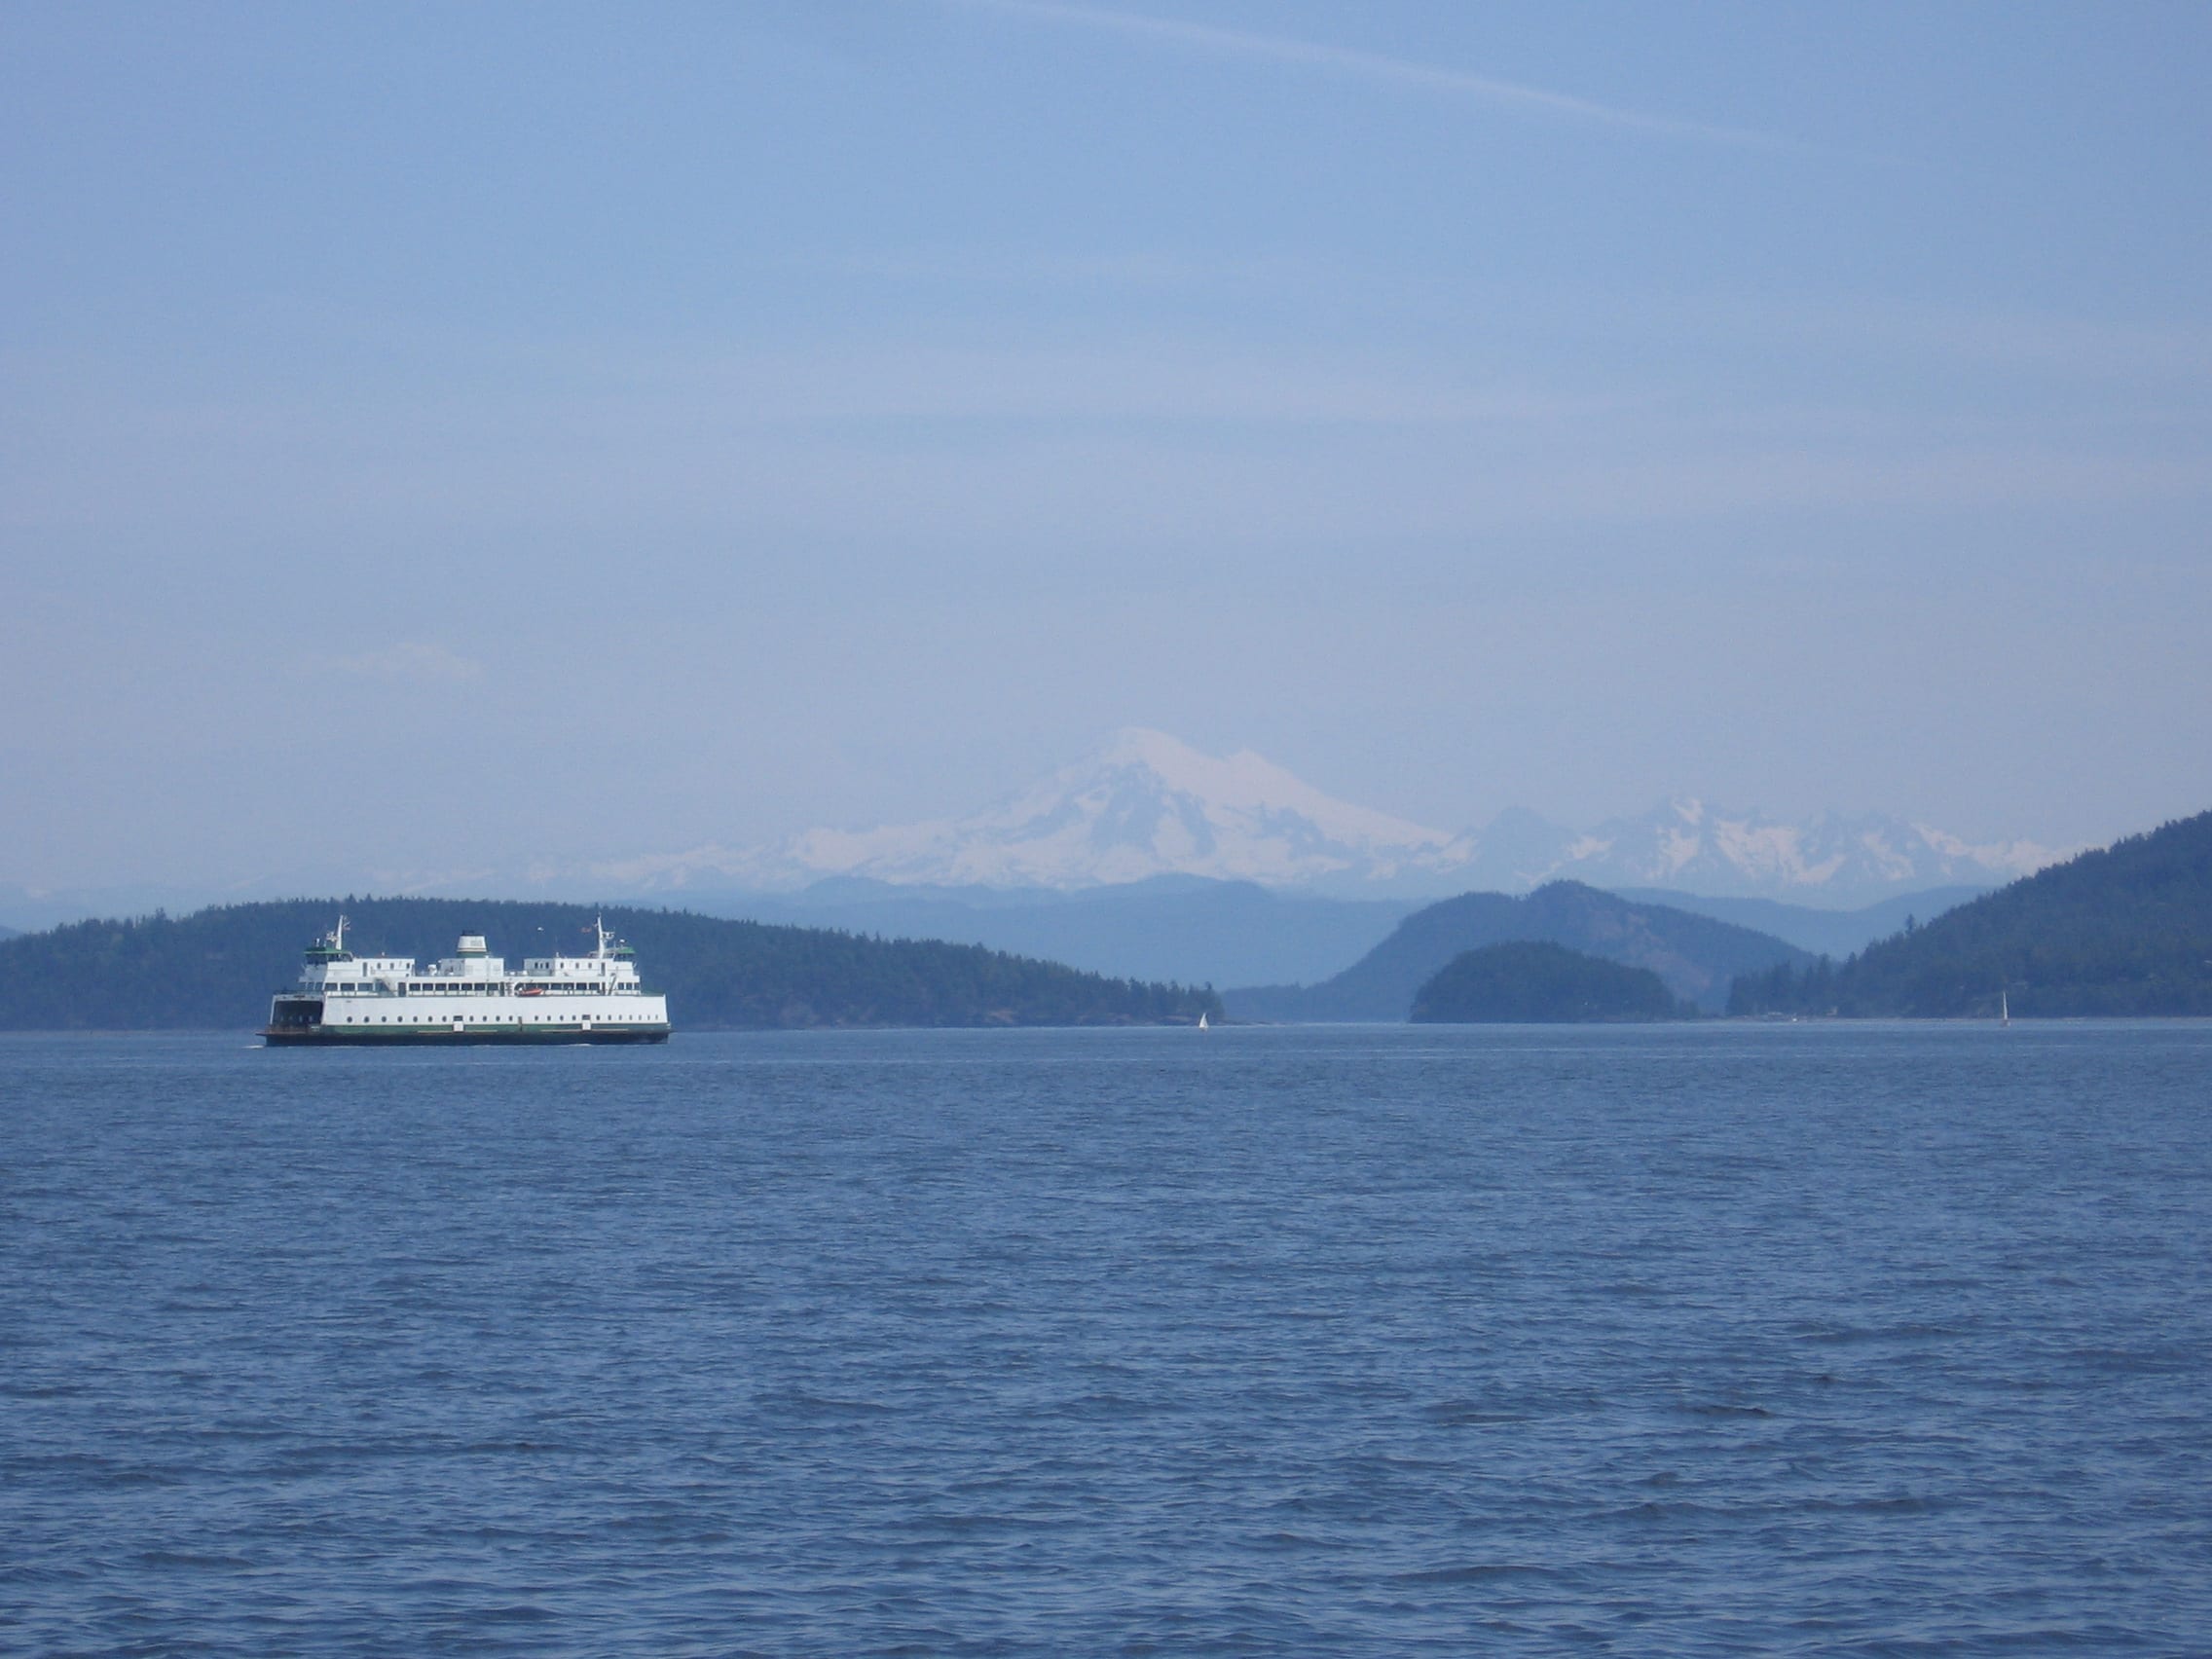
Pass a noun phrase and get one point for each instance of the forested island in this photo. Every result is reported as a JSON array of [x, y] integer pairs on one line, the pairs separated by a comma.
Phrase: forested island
[[217, 968], [1530, 983], [2125, 931]]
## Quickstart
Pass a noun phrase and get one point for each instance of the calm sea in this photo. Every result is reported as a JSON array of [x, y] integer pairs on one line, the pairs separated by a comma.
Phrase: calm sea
[[1698, 1339]]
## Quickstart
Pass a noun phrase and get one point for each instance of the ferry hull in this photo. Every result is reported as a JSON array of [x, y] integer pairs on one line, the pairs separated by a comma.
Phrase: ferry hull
[[324, 1036]]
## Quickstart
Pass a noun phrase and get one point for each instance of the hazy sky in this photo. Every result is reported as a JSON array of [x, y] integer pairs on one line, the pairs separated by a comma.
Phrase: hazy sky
[[432, 434]]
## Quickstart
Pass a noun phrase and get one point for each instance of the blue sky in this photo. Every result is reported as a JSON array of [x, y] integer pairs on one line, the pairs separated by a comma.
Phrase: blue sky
[[442, 434]]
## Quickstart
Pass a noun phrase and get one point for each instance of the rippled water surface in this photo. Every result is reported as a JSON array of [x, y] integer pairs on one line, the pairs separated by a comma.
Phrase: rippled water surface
[[1698, 1339]]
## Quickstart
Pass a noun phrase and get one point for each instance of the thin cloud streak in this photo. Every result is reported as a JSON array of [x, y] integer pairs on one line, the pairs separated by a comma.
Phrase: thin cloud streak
[[1372, 65]]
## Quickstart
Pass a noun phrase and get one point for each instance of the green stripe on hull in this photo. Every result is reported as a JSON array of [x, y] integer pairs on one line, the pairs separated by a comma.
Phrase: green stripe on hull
[[434, 1036]]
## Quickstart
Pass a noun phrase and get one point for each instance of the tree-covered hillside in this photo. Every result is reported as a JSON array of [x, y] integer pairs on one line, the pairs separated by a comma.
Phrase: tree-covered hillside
[[2124, 931], [217, 969], [1531, 983], [1696, 956]]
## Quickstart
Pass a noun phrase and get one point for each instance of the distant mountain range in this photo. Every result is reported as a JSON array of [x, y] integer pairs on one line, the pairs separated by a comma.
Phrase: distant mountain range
[[1146, 805], [1833, 860], [1146, 809]]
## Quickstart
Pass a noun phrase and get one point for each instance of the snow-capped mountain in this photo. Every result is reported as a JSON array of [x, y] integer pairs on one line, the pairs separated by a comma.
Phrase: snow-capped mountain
[[1142, 805], [1684, 844], [1147, 805]]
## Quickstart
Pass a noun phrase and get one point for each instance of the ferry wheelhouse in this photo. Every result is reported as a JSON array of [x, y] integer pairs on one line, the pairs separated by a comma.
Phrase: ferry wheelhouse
[[469, 997]]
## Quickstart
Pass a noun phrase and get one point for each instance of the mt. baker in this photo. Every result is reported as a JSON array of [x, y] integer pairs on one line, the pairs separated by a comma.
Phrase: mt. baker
[[1142, 805], [1147, 805]]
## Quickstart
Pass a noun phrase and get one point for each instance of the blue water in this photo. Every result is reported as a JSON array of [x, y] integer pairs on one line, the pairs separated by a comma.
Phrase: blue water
[[1696, 1339]]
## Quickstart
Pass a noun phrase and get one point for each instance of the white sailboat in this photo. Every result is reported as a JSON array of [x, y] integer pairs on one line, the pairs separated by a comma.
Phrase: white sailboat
[[2004, 1009], [1201, 1019]]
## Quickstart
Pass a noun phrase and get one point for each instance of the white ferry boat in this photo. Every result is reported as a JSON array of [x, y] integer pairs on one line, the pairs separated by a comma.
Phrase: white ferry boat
[[468, 997]]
